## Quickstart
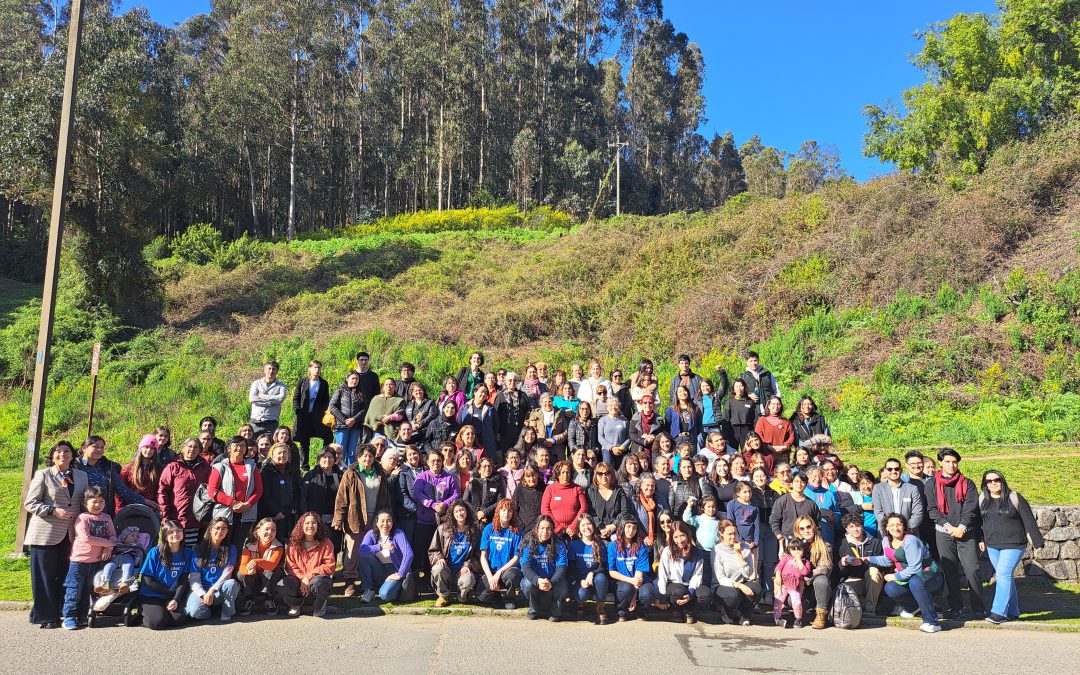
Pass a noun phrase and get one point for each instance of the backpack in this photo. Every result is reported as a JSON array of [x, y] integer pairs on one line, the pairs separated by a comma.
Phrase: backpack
[[846, 609], [202, 505]]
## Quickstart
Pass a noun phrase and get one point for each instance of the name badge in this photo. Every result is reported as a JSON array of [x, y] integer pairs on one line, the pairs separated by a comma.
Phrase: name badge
[[281, 482], [491, 490], [558, 499]]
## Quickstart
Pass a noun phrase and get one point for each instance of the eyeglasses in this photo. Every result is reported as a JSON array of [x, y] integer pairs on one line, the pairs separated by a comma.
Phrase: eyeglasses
[[603, 473], [892, 469], [805, 528], [993, 480]]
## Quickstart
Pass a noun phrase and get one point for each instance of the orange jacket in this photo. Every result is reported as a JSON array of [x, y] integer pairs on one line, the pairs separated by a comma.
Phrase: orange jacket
[[306, 563]]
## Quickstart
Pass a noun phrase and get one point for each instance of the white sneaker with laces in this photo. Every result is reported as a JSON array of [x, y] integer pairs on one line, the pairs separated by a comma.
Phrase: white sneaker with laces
[[904, 614], [930, 628], [509, 605]]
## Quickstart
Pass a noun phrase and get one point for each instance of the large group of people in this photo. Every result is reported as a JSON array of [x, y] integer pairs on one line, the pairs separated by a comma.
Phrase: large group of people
[[575, 494]]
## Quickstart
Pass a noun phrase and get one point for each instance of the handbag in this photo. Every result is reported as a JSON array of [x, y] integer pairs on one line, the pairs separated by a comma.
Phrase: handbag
[[202, 505], [328, 419]]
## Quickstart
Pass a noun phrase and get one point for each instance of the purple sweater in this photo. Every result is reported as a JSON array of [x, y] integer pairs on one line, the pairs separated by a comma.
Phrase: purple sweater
[[402, 555], [429, 490]]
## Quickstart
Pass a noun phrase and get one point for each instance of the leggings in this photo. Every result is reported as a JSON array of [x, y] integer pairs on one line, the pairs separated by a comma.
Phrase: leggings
[[738, 604], [157, 616], [793, 594]]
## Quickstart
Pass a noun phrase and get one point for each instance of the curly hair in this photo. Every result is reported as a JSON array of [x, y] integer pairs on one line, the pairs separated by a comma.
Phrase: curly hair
[[322, 533]]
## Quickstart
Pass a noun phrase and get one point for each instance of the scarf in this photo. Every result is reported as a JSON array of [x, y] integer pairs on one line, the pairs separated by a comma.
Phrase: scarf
[[646, 422], [532, 388], [957, 482], [650, 508]]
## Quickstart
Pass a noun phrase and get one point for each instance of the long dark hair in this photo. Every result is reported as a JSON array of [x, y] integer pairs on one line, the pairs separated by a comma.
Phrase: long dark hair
[[163, 541], [532, 541], [622, 544], [471, 528], [202, 551], [1004, 505]]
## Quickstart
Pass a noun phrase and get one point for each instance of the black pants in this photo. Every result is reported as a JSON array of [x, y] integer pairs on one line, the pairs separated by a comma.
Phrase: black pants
[[422, 536], [309, 426], [48, 568], [156, 616], [738, 604], [253, 584], [677, 592], [264, 427], [539, 600], [960, 555], [509, 582], [319, 588]]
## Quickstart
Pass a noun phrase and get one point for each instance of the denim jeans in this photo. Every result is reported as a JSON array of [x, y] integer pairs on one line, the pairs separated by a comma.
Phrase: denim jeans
[[624, 595], [225, 596], [373, 576], [917, 593], [1005, 561], [598, 590], [347, 439], [77, 590]]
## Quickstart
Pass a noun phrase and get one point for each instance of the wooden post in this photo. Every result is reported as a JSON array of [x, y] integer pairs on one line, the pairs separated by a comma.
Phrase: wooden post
[[52, 264]]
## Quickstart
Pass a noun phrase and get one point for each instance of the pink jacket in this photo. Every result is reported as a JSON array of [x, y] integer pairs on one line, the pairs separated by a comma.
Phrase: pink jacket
[[93, 536]]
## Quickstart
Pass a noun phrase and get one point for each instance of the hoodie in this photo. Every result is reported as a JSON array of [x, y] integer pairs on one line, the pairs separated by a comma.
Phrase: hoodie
[[826, 500]]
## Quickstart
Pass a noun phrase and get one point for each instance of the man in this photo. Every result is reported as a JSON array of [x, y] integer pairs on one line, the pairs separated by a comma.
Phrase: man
[[209, 425], [645, 425], [370, 385], [542, 373], [407, 373], [914, 462], [686, 378], [893, 495], [481, 415], [952, 502], [865, 579], [266, 396], [828, 502], [311, 398], [760, 383], [512, 410]]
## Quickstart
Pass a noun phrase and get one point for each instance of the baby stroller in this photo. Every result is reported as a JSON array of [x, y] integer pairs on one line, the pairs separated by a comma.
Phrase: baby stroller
[[125, 605]]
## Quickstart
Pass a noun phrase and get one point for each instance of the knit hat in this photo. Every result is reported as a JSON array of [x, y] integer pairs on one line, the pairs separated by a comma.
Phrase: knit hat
[[148, 441]]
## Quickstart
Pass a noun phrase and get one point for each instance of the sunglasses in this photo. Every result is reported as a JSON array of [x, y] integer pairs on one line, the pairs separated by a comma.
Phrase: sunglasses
[[664, 521], [993, 480], [892, 469], [603, 473]]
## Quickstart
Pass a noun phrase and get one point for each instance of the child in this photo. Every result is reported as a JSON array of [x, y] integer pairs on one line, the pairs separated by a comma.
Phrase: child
[[706, 526], [745, 515], [790, 579], [127, 558], [95, 537]]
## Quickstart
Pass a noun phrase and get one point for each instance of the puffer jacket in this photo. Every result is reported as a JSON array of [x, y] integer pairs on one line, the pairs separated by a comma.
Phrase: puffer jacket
[[421, 415], [346, 403]]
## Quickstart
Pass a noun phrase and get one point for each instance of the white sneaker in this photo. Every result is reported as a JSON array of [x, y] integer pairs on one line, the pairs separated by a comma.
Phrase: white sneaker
[[367, 596], [930, 628], [510, 605], [904, 614]]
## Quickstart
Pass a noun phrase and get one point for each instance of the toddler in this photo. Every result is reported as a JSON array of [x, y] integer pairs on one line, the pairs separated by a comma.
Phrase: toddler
[[788, 584]]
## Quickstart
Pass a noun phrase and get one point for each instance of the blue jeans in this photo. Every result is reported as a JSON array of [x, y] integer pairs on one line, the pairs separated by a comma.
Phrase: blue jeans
[[1005, 561], [598, 590], [226, 597], [624, 595], [373, 574], [347, 439], [917, 593], [77, 591]]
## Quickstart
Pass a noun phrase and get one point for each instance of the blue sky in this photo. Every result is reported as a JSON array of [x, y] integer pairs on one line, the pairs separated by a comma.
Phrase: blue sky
[[786, 70]]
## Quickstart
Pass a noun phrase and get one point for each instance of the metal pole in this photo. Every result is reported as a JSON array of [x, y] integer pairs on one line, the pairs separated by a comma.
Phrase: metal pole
[[52, 263], [618, 145]]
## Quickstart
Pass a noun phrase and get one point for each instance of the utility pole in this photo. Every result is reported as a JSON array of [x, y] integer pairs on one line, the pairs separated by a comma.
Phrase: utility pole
[[52, 263], [618, 145]]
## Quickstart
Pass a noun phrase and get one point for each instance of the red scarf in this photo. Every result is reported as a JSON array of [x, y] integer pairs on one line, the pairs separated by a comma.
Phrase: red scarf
[[959, 485], [646, 422], [650, 507]]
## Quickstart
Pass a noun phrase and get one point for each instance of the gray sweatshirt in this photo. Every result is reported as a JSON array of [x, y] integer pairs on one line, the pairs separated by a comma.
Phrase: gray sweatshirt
[[266, 399]]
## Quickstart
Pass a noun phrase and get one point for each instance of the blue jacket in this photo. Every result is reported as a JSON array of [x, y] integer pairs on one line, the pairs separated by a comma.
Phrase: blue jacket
[[675, 425], [826, 500]]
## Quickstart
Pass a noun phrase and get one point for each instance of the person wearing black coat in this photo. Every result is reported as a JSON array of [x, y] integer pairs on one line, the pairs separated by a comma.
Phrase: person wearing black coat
[[952, 503], [484, 490], [282, 498], [309, 412], [512, 409], [370, 384], [470, 376], [348, 405], [444, 428], [319, 491], [643, 434], [527, 498], [808, 422]]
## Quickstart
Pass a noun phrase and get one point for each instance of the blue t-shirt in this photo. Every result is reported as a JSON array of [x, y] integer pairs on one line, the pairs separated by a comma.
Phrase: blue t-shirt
[[869, 520], [154, 568], [544, 568], [459, 550], [628, 563], [707, 418], [500, 546], [583, 558], [212, 572]]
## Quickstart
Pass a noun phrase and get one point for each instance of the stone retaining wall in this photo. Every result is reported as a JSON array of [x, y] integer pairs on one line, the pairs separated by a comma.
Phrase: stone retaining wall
[[1059, 558]]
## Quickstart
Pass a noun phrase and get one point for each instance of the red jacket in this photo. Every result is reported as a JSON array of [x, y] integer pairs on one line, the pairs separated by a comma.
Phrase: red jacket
[[565, 504], [176, 490]]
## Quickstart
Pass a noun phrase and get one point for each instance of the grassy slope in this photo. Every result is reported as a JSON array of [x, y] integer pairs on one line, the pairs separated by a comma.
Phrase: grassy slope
[[13, 295]]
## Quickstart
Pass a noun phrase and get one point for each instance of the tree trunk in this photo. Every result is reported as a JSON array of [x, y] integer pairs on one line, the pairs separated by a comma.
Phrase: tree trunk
[[291, 231], [251, 179]]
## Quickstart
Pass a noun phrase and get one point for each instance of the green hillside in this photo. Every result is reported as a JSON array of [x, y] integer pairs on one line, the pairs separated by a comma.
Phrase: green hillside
[[916, 314]]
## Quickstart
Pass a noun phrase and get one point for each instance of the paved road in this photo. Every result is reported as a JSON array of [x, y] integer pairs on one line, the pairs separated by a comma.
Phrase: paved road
[[446, 644]]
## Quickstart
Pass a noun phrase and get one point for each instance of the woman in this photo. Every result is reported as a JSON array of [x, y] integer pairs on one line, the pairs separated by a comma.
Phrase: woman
[[246, 431], [104, 473], [763, 498], [588, 390], [663, 448], [564, 501], [451, 392], [320, 488], [685, 488], [646, 509], [532, 387], [541, 460], [807, 423], [420, 411], [499, 546], [740, 411], [309, 565], [802, 461], [781, 482], [527, 442], [1007, 524], [179, 482], [364, 491], [643, 382], [347, 405], [165, 453], [775, 431], [434, 491], [454, 554], [211, 578], [753, 446], [791, 506], [281, 489], [543, 566], [236, 487], [512, 471], [444, 429], [484, 491], [588, 567], [528, 498], [820, 556], [165, 578], [629, 477], [916, 577], [721, 485], [613, 434], [386, 558], [567, 401], [481, 416], [739, 469], [142, 473], [53, 501], [628, 567], [463, 466], [683, 417], [260, 567], [607, 503], [468, 441], [263, 442], [284, 435], [385, 411], [551, 426], [711, 405], [580, 467], [734, 572], [471, 376], [680, 572], [582, 432]]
